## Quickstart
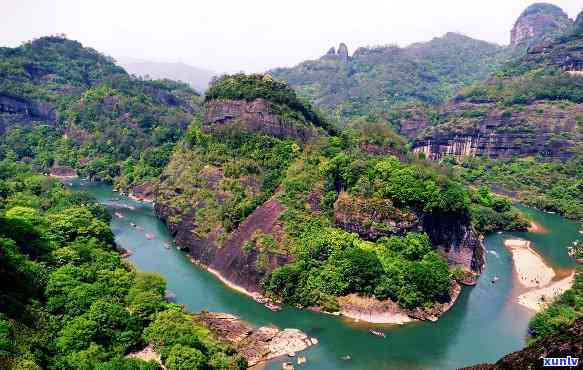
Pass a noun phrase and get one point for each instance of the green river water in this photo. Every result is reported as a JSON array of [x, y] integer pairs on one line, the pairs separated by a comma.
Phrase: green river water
[[484, 324]]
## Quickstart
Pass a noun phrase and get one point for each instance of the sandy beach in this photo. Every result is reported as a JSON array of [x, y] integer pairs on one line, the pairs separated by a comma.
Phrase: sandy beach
[[531, 270], [533, 273], [537, 299]]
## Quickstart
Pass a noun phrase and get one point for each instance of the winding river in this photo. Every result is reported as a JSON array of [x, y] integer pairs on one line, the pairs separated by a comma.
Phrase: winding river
[[485, 323]]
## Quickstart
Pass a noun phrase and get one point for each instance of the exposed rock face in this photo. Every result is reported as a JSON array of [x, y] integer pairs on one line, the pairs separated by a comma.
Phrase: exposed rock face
[[566, 344], [145, 192], [485, 129], [579, 22], [257, 345], [62, 171], [13, 109], [228, 257], [373, 310], [537, 23], [460, 244], [416, 121], [255, 116], [373, 218], [341, 54]]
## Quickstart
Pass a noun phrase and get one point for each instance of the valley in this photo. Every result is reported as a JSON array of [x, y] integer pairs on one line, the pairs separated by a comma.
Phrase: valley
[[412, 207]]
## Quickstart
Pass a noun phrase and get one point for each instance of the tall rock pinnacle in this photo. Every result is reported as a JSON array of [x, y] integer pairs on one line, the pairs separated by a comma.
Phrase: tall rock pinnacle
[[539, 22]]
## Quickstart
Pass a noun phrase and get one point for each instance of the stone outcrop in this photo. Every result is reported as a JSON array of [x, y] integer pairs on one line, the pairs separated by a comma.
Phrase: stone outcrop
[[20, 110], [224, 253], [256, 116], [373, 218], [340, 53], [568, 343], [415, 121], [486, 129], [537, 23], [145, 192], [373, 310], [343, 52], [257, 345]]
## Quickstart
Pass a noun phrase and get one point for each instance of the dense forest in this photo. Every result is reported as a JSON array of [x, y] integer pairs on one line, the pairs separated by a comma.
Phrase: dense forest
[[65, 105], [377, 201], [72, 301]]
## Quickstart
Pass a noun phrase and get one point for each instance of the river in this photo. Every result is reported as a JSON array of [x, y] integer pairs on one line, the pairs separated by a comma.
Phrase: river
[[485, 323]]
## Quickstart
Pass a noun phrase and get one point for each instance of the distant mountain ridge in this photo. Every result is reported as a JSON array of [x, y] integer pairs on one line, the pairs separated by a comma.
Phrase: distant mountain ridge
[[197, 78], [375, 80]]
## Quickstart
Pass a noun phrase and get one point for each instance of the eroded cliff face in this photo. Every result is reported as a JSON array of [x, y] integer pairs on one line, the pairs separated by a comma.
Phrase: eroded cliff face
[[568, 343], [257, 116], [20, 110], [374, 218], [225, 252], [543, 128]]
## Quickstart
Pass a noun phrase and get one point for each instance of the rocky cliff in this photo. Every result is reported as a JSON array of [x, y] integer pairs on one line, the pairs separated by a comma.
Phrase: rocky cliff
[[372, 218], [15, 110], [569, 343], [533, 106], [257, 116], [537, 23], [487, 129]]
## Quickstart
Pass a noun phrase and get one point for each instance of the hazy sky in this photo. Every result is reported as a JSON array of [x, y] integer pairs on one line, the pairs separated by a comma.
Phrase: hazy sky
[[254, 35]]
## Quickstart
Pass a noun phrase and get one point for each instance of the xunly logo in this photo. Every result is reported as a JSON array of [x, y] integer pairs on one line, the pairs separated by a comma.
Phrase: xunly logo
[[561, 361]]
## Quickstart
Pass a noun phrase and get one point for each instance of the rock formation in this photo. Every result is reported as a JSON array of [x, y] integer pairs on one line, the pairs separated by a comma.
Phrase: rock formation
[[254, 116], [257, 345], [343, 52], [537, 23], [568, 343], [470, 129]]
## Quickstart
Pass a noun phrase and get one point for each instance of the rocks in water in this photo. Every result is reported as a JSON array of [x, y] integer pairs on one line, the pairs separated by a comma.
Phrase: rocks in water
[[256, 344]]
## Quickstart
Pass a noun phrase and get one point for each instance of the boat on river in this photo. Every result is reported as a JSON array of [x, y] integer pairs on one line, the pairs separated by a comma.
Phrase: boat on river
[[150, 236], [378, 333]]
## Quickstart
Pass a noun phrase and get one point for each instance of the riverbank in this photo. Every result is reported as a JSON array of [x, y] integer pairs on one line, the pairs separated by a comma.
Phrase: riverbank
[[257, 345], [537, 299], [530, 267], [535, 275]]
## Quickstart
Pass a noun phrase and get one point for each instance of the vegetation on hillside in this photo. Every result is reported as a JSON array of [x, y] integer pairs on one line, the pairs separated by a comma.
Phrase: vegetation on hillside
[[72, 302], [550, 186], [560, 315], [108, 124], [376, 80], [250, 87], [330, 261]]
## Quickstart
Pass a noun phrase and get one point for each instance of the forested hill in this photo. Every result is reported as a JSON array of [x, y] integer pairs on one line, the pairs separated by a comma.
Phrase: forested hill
[[375, 80], [65, 105], [69, 301], [520, 131]]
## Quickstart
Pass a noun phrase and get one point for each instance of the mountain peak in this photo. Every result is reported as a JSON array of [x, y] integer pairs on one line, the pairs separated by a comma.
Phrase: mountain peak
[[341, 53], [539, 22]]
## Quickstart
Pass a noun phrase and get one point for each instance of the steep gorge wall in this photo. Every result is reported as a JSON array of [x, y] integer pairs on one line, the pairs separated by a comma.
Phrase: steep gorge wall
[[550, 129], [257, 116]]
